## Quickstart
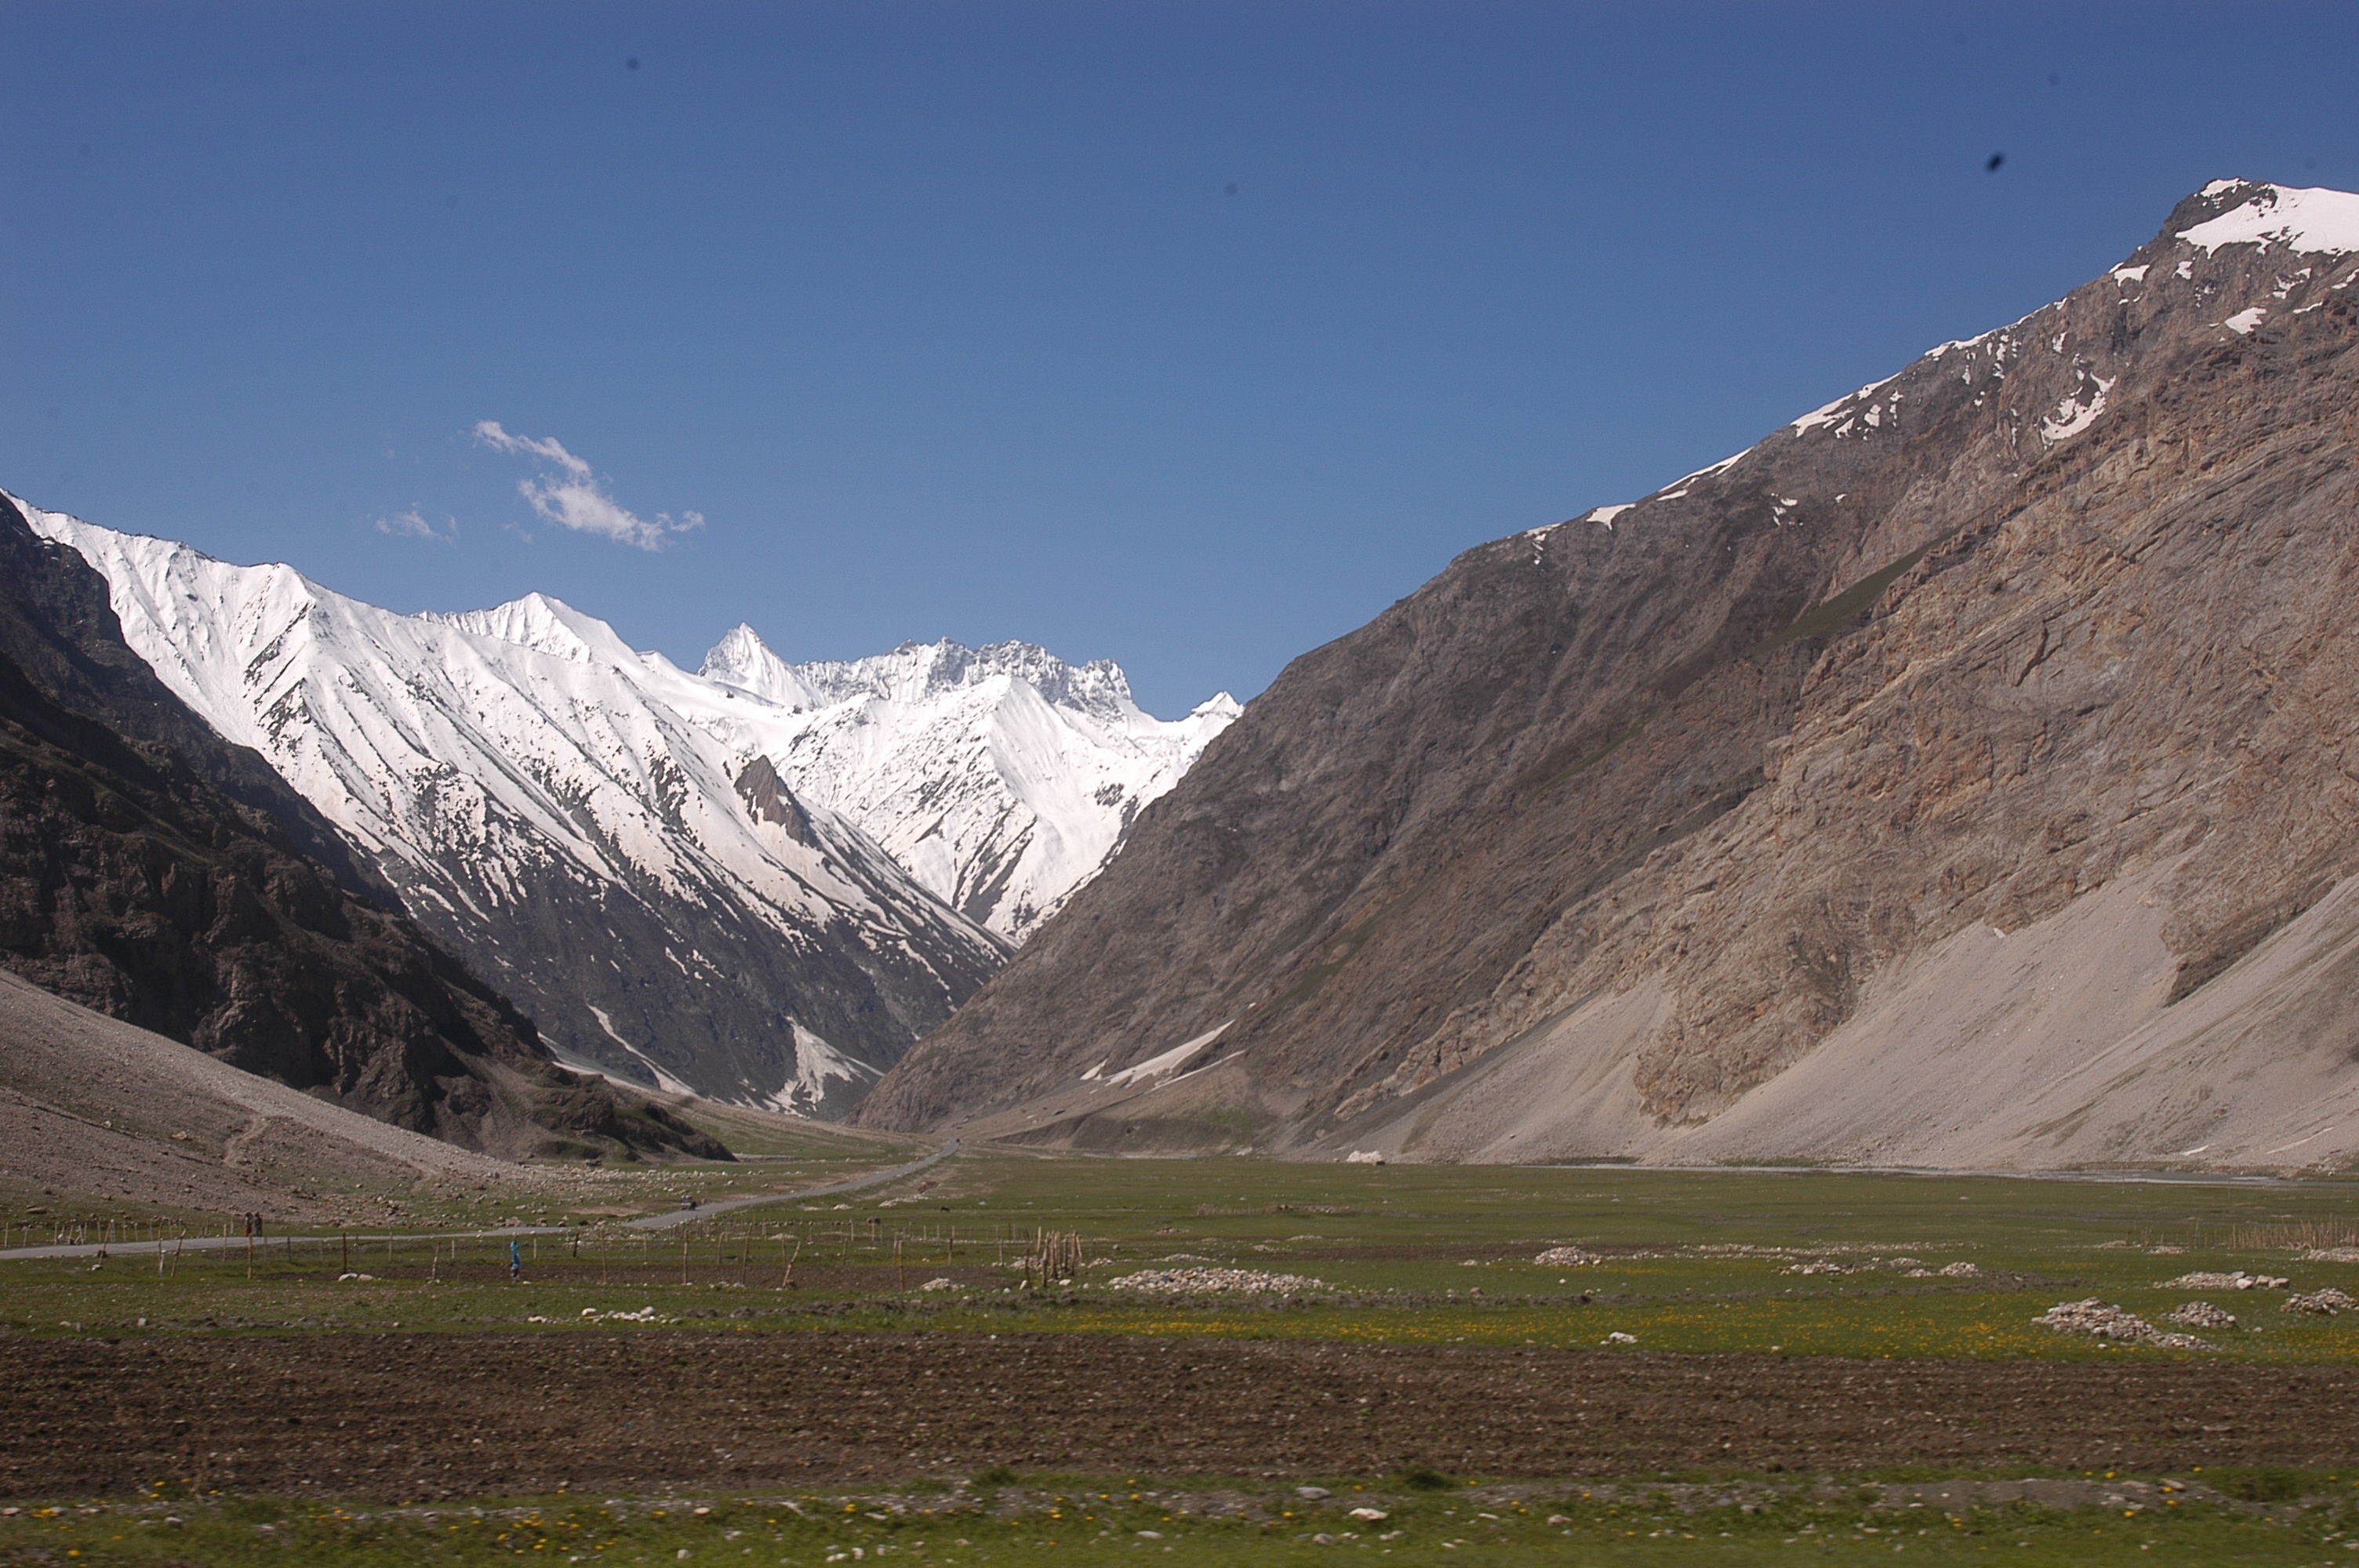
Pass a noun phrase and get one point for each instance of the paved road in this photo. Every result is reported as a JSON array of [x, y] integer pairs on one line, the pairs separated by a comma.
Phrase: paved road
[[664, 1220]]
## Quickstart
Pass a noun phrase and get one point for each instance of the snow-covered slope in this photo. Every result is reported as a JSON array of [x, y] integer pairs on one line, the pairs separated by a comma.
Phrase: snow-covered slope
[[1001, 777], [592, 827]]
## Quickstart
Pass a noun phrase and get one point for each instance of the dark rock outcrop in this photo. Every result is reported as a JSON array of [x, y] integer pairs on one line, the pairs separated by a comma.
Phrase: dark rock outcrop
[[152, 873]]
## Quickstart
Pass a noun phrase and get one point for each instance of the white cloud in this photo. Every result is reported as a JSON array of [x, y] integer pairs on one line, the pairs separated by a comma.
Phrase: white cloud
[[412, 524], [568, 494]]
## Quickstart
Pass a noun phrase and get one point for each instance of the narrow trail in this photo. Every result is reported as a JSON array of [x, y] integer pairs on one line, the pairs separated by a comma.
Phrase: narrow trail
[[665, 1220]]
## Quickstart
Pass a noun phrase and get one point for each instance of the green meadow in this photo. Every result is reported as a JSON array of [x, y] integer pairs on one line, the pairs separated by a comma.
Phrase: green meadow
[[1800, 1262]]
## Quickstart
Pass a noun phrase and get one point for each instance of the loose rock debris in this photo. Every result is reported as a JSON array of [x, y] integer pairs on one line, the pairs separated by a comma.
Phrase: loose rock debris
[[1566, 1257], [2202, 1314], [2320, 1304], [2202, 1280], [2104, 1320], [1215, 1282]]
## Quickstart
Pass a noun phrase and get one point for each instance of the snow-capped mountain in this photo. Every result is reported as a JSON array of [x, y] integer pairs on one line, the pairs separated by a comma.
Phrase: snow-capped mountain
[[598, 832], [1001, 777]]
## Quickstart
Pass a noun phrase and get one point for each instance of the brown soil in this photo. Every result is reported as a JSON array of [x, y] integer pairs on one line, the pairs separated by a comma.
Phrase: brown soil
[[393, 1416]]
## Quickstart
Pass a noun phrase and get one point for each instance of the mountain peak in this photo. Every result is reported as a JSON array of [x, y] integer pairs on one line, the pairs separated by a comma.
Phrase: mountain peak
[[547, 625], [917, 672]]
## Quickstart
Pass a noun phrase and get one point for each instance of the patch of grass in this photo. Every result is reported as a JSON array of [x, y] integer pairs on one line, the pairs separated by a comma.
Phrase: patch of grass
[[2261, 1484], [1104, 1521]]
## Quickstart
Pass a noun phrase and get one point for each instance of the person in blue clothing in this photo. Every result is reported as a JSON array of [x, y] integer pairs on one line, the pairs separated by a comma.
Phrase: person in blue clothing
[[515, 1260]]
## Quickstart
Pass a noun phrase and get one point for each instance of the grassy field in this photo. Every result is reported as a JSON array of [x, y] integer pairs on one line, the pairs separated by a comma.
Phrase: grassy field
[[1081, 1519], [1803, 1263]]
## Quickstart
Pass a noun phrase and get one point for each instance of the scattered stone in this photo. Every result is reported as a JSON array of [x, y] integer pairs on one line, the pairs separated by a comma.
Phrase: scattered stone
[[1364, 1157], [1566, 1257], [2320, 1304], [1959, 1271], [1618, 1338], [2104, 1320], [941, 1285], [2204, 1280], [1370, 1514], [342, 1278], [2331, 1255], [1211, 1281], [1312, 1493], [2202, 1314]]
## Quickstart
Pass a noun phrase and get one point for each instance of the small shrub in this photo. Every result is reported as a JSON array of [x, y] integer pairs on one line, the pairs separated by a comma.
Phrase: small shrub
[[252, 1510], [994, 1476], [1418, 1478], [2267, 1484]]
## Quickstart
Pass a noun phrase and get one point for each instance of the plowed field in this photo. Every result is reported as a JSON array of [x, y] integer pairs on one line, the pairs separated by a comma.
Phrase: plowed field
[[407, 1415]]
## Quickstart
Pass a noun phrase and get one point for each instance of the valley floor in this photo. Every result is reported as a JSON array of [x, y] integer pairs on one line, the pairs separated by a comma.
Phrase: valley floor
[[972, 1338]]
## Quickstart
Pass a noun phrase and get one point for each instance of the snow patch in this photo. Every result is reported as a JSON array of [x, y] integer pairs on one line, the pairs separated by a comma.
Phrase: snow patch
[[1724, 464], [2074, 415], [1828, 413], [665, 1080], [817, 1065], [2244, 321], [1170, 1061], [2301, 220]]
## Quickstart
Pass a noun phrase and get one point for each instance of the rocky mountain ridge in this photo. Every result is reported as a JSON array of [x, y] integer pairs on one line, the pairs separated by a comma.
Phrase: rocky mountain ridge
[[679, 875], [563, 813], [1001, 777], [1960, 775], [154, 874]]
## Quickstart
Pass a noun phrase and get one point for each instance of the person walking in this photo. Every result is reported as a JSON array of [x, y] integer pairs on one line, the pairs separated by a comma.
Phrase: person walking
[[515, 1260]]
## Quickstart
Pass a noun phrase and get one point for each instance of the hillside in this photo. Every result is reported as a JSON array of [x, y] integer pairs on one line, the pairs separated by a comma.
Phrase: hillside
[[94, 1107], [1961, 775]]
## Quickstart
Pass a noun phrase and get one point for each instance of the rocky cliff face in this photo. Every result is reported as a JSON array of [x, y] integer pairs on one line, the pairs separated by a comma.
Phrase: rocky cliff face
[[147, 872], [1616, 827]]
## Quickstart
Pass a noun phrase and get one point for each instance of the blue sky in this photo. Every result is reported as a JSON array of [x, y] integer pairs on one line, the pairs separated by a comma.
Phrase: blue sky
[[1188, 334]]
